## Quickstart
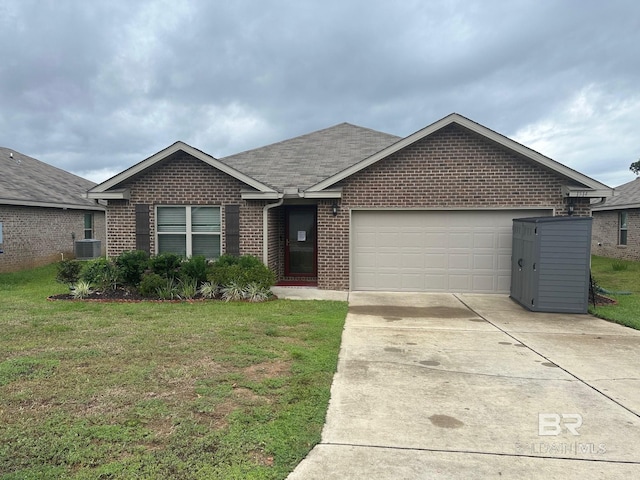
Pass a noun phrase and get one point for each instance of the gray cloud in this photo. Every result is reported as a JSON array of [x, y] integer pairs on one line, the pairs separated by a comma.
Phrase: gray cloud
[[93, 87]]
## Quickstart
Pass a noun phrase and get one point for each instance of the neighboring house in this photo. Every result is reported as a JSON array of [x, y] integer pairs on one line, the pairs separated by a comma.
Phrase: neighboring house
[[616, 224], [43, 210], [349, 208]]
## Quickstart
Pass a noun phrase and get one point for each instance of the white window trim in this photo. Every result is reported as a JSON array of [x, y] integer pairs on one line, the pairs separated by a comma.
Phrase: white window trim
[[189, 233]]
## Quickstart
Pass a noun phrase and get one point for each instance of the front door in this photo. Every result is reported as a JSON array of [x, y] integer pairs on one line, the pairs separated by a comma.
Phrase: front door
[[300, 243]]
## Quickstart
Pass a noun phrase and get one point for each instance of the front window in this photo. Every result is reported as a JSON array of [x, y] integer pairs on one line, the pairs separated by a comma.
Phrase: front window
[[189, 231], [88, 226], [623, 228]]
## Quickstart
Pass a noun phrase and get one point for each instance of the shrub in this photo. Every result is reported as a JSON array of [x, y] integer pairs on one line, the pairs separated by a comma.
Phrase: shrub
[[255, 293], [194, 268], [81, 290], [166, 265], [241, 270], [208, 290], [233, 292], [68, 271], [102, 273], [131, 266], [168, 290], [150, 284], [187, 289]]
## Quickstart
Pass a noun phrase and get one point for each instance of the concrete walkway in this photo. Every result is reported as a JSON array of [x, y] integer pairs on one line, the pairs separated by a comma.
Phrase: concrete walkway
[[475, 386]]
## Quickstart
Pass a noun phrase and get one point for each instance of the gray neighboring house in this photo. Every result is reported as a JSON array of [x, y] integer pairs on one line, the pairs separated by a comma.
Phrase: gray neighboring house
[[43, 211], [616, 224]]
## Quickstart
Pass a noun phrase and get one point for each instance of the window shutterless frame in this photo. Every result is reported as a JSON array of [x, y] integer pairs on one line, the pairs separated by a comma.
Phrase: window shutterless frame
[[622, 237], [88, 226]]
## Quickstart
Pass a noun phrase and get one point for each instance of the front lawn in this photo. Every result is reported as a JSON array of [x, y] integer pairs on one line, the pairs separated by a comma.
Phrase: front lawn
[[618, 277], [160, 390]]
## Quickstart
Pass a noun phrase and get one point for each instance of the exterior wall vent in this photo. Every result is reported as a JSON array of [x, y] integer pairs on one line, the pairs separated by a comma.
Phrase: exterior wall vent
[[87, 249]]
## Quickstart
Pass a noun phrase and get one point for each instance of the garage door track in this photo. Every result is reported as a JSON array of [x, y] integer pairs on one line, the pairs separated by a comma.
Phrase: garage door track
[[475, 386]]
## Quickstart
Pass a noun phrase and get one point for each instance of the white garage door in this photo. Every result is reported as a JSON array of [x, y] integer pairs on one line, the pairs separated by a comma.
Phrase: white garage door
[[433, 251]]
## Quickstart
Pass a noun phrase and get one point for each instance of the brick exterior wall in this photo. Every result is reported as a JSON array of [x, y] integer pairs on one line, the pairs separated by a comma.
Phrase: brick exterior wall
[[183, 180], [605, 235], [452, 168], [35, 236]]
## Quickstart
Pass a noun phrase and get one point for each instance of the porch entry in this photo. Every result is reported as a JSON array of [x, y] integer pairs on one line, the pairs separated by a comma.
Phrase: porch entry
[[300, 250]]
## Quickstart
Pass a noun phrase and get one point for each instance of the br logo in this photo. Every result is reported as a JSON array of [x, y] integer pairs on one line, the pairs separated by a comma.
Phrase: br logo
[[552, 423]]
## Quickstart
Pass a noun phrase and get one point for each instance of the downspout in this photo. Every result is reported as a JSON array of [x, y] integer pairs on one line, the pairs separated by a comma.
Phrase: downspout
[[265, 228]]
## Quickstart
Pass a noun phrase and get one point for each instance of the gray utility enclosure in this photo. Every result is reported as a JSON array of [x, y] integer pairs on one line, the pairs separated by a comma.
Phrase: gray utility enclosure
[[550, 263]]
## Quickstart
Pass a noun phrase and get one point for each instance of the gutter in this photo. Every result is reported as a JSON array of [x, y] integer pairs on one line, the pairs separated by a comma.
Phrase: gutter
[[265, 228]]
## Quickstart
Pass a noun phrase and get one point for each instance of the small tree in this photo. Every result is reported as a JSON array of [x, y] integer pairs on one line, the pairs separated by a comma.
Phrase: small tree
[[635, 167]]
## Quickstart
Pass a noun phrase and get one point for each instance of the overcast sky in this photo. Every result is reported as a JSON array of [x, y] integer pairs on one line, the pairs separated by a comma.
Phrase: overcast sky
[[94, 87]]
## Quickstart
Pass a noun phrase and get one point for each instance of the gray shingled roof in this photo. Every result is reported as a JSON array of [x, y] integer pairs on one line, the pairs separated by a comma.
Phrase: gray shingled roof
[[627, 196], [308, 159], [27, 181]]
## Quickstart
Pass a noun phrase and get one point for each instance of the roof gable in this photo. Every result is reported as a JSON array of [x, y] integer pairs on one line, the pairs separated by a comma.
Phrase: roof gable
[[109, 188], [626, 196], [594, 188], [305, 160], [30, 182]]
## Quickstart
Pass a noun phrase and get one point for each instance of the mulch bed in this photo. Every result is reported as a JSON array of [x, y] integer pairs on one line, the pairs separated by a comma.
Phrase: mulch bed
[[119, 295], [602, 300]]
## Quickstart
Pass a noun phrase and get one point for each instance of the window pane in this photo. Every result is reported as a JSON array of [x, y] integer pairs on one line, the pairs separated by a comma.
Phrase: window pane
[[623, 220], [88, 221], [173, 244], [172, 219], [623, 237], [205, 219], [207, 245]]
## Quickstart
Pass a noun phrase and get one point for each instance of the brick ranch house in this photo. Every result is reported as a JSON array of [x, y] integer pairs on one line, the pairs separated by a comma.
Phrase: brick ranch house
[[349, 208], [43, 211], [616, 224]]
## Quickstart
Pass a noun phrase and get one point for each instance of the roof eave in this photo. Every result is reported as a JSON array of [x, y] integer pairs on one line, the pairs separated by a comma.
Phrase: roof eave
[[62, 206], [581, 192], [118, 194], [253, 195], [616, 207], [170, 150], [334, 193]]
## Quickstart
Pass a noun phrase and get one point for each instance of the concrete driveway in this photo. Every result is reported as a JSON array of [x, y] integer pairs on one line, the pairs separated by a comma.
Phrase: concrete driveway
[[475, 386]]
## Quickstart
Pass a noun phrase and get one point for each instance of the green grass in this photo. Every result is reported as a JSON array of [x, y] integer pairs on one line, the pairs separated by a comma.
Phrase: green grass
[[160, 390], [618, 276]]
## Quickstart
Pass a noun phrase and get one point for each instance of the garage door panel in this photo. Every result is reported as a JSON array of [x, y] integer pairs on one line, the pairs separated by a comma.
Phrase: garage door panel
[[459, 240], [434, 261], [484, 262], [484, 240], [461, 261], [456, 251], [459, 283], [484, 283], [505, 239]]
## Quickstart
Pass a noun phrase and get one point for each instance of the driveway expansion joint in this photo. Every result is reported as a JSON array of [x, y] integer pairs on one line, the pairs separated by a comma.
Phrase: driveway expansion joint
[[584, 382]]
